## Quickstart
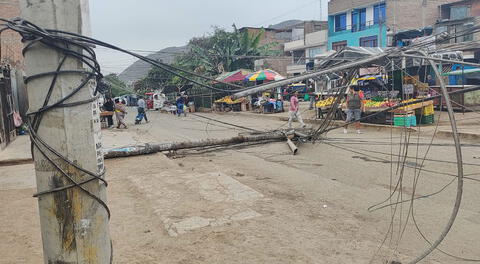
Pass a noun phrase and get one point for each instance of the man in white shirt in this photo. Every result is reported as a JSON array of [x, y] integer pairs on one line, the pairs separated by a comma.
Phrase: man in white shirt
[[141, 109]]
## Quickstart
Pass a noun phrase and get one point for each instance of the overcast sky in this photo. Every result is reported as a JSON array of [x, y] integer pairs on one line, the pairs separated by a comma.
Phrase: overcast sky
[[152, 25]]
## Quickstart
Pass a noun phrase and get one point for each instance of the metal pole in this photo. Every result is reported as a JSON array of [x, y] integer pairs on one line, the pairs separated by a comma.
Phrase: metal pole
[[74, 225], [458, 151]]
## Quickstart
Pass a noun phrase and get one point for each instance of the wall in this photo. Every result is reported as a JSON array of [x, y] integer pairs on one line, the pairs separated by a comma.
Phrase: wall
[[269, 36], [475, 10], [410, 14], [294, 45], [353, 38], [278, 64], [339, 6], [314, 26], [11, 45], [316, 38]]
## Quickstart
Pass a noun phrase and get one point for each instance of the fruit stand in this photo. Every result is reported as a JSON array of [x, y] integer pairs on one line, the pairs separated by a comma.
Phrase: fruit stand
[[226, 104], [410, 115], [324, 107]]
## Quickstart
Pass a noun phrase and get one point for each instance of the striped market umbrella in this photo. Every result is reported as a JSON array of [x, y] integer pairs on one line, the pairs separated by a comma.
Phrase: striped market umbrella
[[234, 76], [264, 75]]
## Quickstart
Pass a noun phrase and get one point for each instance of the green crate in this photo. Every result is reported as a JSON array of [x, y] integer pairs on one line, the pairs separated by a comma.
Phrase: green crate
[[429, 119], [404, 121]]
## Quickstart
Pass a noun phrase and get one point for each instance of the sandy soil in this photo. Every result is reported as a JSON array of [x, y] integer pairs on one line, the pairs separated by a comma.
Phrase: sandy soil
[[260, 204]]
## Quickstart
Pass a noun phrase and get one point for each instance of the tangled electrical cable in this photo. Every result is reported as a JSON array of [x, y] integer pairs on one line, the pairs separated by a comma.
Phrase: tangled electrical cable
[[68, 48]]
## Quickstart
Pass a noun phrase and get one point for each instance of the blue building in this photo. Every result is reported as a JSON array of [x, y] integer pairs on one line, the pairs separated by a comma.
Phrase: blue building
[[360, 26]]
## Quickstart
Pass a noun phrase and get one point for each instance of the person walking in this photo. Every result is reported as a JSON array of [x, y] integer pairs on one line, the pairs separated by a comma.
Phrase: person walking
[[110, 107], [120, 112], [141, 106], [294, 110], [180, 105], [355, 107]]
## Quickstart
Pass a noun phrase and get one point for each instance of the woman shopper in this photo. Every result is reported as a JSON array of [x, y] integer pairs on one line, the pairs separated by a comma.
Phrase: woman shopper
[[294, 110], [120, 112]]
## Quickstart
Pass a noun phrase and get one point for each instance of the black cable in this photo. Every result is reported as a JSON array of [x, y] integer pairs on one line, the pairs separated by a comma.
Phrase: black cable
[[226, 123], [84, 54]]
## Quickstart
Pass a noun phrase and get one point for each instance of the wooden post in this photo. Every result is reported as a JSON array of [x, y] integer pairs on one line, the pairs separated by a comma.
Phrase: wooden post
[[74, 226]]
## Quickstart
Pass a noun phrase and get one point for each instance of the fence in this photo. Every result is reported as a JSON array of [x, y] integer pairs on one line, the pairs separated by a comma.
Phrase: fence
[[7, 126]]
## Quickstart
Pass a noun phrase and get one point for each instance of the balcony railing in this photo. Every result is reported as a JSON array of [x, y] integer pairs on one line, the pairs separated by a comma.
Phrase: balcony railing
[[357, 27]]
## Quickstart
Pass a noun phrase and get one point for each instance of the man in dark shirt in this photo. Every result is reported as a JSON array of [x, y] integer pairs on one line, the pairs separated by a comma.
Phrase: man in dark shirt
[[431, 82], [355, 107], [110, 107]]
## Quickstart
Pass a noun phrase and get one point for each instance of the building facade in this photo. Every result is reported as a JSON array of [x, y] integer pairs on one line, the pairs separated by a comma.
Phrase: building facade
[[296, 42], [10, 42], [308, 40], [459, 17], [373, 23], [361, 25]]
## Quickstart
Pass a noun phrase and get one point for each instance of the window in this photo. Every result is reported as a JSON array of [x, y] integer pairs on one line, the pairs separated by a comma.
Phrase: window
[[354, 21], [340, 22], [362, 13], [379, 13], [459, 12], [468, 37], [313, 52], [339, 45], [369, 41]]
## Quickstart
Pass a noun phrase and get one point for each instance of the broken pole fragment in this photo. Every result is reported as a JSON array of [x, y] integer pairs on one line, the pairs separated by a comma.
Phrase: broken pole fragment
[[292, 146], [160, 147]]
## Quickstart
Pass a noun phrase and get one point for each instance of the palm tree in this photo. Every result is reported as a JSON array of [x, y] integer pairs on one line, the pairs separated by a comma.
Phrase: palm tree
[[225, 51]]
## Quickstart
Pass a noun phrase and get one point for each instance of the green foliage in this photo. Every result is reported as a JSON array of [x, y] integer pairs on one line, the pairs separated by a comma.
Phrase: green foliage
[[157, 79], [225, 51], [117, 86], [221, 51]]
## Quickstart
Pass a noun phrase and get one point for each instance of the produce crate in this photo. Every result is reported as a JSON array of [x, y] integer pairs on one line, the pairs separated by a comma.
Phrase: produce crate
[[428, 110], [404, 120], [427, 119]]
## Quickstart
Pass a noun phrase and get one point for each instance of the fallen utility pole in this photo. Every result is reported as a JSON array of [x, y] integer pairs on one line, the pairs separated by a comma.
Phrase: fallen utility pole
[[74, 225], [159, 147], [292, 146], [307, 76]]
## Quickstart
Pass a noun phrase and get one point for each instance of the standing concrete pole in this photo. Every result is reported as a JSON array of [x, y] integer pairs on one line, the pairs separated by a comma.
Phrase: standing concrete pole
[[74, 226]]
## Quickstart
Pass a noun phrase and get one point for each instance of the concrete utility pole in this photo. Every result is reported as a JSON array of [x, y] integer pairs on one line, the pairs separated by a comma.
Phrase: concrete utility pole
[[424, 6], [74, 226]]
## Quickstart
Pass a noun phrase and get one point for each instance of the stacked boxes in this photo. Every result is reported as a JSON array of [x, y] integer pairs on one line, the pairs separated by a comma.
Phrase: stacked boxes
[[404, 120], [428, 115]]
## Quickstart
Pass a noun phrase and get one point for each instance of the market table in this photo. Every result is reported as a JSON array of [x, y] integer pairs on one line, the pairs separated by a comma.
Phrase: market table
[[386, 118], [103, 118]]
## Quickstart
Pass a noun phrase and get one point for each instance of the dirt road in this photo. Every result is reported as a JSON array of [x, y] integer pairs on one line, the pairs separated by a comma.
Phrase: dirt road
[[260, 204]]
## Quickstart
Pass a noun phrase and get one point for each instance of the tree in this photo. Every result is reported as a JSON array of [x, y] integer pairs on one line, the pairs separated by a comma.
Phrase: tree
[[221, 51], [117, 86], [225, 51]]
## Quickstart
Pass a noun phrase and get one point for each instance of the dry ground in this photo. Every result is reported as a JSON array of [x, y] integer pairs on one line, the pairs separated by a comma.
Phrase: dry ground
[[260, 204]]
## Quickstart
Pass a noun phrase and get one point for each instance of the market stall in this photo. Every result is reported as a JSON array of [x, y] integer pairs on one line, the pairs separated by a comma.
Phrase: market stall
[[233, 76], [226, 104], [103, 118], [269, 102], [411, 115]]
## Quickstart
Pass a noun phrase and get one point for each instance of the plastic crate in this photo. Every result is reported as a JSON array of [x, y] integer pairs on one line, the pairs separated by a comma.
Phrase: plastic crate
[[428, 119], [428, 110], [408, 120]]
